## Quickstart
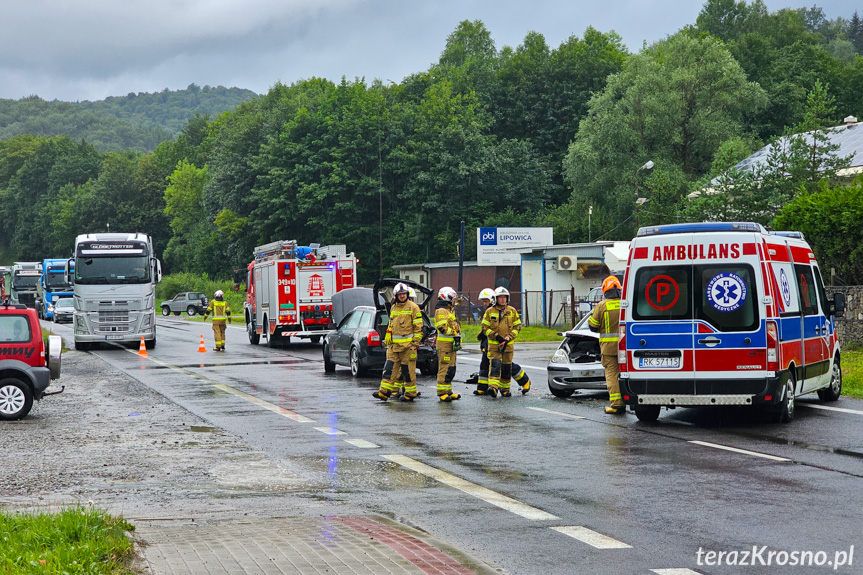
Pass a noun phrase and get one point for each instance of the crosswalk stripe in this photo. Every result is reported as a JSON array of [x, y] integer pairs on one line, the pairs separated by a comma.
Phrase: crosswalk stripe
[[591, 537]]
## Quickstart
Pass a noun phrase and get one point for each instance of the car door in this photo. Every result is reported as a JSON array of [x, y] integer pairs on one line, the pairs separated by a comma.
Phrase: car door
[[344, 336]]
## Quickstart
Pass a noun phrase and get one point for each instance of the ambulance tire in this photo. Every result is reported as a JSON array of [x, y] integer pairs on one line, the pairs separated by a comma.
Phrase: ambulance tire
[[648, 413], [784, 412], [833, 392]]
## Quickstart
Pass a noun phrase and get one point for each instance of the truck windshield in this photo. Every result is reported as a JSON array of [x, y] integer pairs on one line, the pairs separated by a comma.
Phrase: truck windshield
[[20, 282], [112, 270], [54, 279]]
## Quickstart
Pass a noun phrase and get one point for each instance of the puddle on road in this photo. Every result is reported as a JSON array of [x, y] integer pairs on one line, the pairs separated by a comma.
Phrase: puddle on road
[[205, 429]]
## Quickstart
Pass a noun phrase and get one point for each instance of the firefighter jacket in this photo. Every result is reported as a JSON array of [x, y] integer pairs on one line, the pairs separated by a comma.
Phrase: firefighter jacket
[[220, 310], [445, 322], [501, 322], [605, 319], [406, 323]]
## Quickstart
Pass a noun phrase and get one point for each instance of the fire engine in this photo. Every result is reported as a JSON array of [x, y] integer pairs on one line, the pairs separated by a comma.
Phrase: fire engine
[[290, 288]]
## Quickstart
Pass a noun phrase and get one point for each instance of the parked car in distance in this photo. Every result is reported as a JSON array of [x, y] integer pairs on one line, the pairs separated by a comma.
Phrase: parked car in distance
[[27, 362], [193, 302], [63, 310], [357, 341], [577, 363]]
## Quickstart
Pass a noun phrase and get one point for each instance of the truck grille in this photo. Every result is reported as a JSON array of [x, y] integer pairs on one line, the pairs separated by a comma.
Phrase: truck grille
[[113, 317], [113, 304]]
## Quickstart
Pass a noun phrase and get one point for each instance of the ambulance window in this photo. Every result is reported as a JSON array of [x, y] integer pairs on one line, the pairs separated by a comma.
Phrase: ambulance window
[[728, 298], [822, 295], [806, 288], [662, 293]]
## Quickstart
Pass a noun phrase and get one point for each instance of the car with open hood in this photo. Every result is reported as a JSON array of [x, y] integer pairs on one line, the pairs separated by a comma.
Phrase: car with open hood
[[362, 316], [577, 363]]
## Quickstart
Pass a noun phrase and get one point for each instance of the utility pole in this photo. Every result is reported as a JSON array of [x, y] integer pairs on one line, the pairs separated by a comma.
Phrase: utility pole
[[460, 257]]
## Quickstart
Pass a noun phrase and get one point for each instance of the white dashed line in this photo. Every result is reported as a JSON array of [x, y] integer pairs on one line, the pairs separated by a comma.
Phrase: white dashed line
[[831, 408], [265, 404], [562, 414], [361, 443], [743, 451], [676, 571], [591, 537], [487, 495], [330, 431]]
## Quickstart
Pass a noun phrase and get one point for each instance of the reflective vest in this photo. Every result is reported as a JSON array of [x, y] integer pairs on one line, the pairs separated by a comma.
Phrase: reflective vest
[[606, 319], [219, 309], [446, 324], [406, 322], [503, 322]]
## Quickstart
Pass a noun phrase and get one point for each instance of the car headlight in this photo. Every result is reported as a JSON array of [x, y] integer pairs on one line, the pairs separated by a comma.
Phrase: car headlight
[[560, 356]]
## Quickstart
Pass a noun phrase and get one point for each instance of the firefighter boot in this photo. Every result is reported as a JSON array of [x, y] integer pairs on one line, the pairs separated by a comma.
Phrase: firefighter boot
[[381, 395], [445, 398], [616, 410], [522, 379]]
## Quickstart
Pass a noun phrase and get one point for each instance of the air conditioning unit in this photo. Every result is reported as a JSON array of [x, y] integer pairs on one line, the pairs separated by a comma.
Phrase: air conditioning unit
[[566, 263]]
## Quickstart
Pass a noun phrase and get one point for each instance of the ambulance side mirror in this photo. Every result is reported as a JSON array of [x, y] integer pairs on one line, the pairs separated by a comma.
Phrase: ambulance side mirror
[[837, 305]]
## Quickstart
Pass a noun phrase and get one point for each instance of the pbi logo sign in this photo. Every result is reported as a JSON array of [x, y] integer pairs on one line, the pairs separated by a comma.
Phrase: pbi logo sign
[[488, 236]]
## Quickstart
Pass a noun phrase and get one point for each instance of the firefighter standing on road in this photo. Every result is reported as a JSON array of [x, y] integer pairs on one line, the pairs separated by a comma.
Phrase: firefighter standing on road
[[605, 319], [485, 297], [448, 343], [501, 324], [221, 311], [403, 336]]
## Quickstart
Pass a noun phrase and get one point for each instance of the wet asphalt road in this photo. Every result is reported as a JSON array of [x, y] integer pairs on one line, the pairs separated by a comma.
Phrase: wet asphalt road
[[533, 484]]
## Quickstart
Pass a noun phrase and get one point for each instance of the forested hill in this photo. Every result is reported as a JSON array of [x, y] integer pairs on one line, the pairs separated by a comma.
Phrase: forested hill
[[136, 121]]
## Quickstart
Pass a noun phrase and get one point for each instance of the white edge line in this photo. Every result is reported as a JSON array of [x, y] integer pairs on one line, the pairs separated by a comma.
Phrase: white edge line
[[591, 537], [743, 451], [562, 414], [330, 431], [831, 408], [675, 571], [487, 495], [361, 443], [265, 404]]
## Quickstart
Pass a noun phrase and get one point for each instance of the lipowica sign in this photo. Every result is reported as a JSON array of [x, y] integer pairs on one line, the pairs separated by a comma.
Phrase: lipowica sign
[[500, 246]]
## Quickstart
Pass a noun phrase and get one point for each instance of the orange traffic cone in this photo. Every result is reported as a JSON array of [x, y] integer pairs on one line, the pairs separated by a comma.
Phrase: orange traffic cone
[[202, 348], [142, 350]]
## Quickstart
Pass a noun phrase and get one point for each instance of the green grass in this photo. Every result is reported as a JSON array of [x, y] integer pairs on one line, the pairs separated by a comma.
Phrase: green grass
[[852, 372], [77, 540], [530, 333]]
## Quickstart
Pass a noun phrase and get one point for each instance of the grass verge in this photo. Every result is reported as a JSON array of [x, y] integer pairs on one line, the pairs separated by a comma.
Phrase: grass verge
[[852, 372], [530, 333], [75, 540]]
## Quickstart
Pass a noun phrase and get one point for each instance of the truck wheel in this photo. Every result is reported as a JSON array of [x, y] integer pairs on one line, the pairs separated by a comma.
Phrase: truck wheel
[[647, 412], [166, 310], [833, 392], [16, 399], [191, 310], [316, 339], [254, 338], [271, 339], [150, 343], [82, 346]]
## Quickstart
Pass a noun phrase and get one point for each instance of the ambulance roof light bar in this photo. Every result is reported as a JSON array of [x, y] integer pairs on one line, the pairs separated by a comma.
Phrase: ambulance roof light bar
[[796, 235], [700, 227]]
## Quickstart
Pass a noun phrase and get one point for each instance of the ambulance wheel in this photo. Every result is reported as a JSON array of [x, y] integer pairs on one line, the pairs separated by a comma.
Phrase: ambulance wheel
[[833, 392], [784, 412], [254, 337], [647, 413], [561, 393]]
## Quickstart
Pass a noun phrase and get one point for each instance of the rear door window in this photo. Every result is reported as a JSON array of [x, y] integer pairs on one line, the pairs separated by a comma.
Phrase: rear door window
[[14, 329], [663, 293]]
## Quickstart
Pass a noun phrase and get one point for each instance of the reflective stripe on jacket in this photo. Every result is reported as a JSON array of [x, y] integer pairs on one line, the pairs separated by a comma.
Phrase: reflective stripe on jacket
[[219, 310], [605, 319], [503, 322], [446, 323], [406, 322]]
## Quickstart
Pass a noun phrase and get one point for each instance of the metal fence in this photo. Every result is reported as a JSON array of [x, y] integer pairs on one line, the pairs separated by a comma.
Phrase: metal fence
[[549, 308]]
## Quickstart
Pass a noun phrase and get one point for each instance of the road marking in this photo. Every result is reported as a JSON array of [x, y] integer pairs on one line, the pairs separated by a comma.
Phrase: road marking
[[830, 408], [743, 451], [361, 443], [562, 414], [676, 571], [330, 431], [487, 495], [460, 358], [591, 537], [265, 404]]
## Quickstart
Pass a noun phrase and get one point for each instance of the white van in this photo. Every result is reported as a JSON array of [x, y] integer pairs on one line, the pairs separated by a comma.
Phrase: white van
[[725, 314]]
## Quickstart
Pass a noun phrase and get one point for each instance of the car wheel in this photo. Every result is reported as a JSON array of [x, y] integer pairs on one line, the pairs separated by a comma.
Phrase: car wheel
[[329, 366], [784, 412], [562, 393], [166, 311], [833, 392], [357, 370], [647, 412], [191, 310], [254, 337], [16, 399]]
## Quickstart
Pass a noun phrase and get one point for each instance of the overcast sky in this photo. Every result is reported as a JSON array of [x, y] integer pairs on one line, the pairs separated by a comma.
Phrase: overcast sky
[[92, 49]]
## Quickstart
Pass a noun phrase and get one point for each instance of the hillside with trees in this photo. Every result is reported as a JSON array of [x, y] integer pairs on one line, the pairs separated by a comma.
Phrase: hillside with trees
[[492, 136]]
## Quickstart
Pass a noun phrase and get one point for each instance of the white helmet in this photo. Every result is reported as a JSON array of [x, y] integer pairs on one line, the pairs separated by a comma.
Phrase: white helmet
[[401, 288], [487, 293], [412, 294], [219, 293], [499, 292], [446, 293]]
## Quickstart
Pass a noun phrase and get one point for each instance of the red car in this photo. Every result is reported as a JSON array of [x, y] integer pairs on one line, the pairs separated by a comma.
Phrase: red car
[[28, 362]]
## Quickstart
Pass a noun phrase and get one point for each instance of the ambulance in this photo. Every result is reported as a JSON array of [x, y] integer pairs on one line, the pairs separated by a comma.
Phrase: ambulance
[[725, 313]]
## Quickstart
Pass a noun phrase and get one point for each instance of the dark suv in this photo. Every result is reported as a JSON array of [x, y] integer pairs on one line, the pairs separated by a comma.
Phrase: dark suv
[[357, 342], [26, 366]]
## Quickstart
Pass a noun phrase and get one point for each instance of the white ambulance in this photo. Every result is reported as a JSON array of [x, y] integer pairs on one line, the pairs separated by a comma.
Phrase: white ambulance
[[725, 314]]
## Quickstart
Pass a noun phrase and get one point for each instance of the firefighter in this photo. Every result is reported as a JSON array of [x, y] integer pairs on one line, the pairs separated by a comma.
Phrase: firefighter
[[402, 339], [220, 310], [448, 342], [605, 319], [501, 324], [485, 297]]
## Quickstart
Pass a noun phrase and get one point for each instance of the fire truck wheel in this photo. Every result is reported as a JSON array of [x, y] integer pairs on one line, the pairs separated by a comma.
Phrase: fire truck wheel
[[254, 338], [16, 399], [833, 392], [316, 339], [271, 339]]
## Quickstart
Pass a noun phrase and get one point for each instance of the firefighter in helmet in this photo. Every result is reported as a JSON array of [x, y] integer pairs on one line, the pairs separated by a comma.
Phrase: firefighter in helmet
[[501, 324], [448, 342], [402, 339], [605, 319], [221, 311], [486, 297], [412, 294]]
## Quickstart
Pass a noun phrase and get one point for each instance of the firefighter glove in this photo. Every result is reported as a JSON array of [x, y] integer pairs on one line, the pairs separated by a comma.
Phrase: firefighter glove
[[499, 338], [456, 343], [388, 338]]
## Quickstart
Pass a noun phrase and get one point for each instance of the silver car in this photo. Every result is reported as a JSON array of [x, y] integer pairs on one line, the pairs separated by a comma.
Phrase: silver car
[[577, 362]]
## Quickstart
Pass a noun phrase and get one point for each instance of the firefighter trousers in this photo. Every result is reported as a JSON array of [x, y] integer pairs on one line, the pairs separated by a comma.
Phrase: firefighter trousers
[[500, 367], [400, 370], [219, 332], [445, 367], [612, 381]]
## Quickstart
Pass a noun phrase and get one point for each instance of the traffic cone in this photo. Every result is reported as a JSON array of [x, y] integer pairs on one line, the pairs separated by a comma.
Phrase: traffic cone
[[202, 348], [142, 349]]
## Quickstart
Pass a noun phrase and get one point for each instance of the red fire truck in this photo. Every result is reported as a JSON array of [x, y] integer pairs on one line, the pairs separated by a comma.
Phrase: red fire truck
[[290, 288]]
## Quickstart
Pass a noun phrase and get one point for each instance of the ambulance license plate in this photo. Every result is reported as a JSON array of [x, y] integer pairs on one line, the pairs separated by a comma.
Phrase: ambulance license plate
[[658, 359]]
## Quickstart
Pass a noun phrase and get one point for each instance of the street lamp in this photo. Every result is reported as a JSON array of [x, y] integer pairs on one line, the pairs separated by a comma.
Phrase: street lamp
[[648, 165]]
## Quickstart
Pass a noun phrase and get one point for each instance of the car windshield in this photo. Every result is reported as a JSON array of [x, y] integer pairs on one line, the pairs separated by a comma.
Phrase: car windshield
[[64, 303]]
